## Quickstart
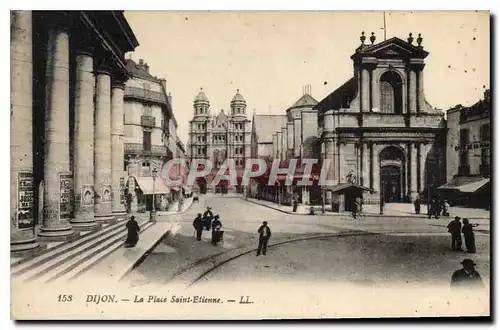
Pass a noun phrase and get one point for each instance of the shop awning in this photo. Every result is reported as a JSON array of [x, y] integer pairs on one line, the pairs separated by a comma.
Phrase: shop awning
[[465, 184], [175, 188], [344, 186], [145, 183]]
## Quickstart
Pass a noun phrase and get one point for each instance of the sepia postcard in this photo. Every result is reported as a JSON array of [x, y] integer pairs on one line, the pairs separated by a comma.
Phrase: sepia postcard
[[250, 165]]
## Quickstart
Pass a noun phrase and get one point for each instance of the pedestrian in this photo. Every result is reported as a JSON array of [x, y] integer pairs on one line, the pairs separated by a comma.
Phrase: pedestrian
[[382, 203], [264, 236], [454, 228], [355, 209], [446, 208], [207, 217], [467, 276], [216, 226], [295, 202], [322, 204], [198, 226], [132, 232], [468, 231], [417, 205]]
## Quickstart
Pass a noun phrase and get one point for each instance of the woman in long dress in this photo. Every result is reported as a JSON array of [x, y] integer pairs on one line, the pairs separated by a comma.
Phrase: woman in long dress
[[468, 231], [132, 232]]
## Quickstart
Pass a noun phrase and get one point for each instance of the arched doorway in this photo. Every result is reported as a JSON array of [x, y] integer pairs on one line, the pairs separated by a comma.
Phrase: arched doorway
[[392, 174], [391, 93]]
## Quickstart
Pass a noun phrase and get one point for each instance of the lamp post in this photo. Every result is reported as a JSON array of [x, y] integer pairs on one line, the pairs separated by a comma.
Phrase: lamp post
[[152, 214]]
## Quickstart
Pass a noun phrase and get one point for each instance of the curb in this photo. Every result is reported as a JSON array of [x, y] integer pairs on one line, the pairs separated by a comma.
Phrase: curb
[[375, 215]]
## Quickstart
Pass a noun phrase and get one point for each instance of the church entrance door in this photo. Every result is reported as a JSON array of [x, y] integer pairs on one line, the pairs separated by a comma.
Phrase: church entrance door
[[390, 180]]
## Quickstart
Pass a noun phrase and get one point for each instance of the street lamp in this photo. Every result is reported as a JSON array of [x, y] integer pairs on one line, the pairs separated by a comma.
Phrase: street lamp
[[152, 214]]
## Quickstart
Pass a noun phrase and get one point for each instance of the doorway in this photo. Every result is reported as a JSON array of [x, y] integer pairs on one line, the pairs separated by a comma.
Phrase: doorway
[[390, 180]]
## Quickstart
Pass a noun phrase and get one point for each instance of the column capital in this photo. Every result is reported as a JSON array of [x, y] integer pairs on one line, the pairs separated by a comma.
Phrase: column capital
[[118, 79], [103, 62], [84, 42]]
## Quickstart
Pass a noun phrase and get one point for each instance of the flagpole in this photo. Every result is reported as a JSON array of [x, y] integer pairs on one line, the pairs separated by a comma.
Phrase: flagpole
[[385, 28]]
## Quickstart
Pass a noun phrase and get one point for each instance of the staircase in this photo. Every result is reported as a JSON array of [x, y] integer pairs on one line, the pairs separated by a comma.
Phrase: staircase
[[70, 259]]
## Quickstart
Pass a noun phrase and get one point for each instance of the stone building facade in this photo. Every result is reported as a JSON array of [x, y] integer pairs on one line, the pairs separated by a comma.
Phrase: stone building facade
[[468, 154], [221, 136], [378, 129], [67, 84], [150, 134]]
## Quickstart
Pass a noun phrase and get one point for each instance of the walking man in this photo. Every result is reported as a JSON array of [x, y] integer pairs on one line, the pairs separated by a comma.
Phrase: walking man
[[264, 235], [417, 205], [198, 226], [454, 228], [467, 276]]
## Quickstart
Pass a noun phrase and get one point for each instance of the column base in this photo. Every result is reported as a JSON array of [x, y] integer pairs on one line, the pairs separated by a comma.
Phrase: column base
[[46, 234], [24, 245], [85, 226], [104, 219], [119, 215]]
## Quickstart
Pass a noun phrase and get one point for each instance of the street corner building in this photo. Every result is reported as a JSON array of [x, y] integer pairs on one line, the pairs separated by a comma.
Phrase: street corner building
[[150, 140], [68, 74], [219, 137]]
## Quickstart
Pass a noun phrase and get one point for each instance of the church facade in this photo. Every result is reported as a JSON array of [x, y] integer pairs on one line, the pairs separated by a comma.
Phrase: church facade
[[378, 130], [221, 136]]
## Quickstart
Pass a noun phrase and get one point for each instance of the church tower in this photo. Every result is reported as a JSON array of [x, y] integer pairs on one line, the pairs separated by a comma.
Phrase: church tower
[[199, 127], [239, 144]]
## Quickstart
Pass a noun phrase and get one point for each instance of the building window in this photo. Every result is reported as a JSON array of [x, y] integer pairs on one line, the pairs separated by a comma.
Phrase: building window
[[391, 96], [463, 168], [146, 141], [485, 132]]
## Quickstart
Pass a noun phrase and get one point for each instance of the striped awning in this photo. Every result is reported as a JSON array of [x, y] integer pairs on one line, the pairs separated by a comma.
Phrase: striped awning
[[145, 183]]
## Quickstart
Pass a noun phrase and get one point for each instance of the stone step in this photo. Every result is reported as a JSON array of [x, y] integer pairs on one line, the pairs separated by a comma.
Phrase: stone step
[[60, 258], [27, 263], [83, 262]]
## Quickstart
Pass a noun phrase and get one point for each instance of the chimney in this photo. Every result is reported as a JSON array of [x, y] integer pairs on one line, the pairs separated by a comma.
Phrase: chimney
[[163, 82], [170, 99], [141, 62], [146, 67]]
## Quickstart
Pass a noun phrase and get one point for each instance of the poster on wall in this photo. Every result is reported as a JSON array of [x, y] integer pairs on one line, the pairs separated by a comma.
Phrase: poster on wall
[[66, 193], [106, 193], [122, 191], [25, 201], [87, 195]]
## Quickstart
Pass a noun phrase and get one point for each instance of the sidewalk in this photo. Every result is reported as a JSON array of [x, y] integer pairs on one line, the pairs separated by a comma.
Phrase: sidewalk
[[390, 209], [188, 202]]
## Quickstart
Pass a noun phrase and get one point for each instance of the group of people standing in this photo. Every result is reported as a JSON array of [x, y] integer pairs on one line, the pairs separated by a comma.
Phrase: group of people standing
[[437, 207], [456, 229], [208, 221]]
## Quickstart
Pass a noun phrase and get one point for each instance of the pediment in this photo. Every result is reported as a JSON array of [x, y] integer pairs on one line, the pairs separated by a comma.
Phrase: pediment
[[392, 48]]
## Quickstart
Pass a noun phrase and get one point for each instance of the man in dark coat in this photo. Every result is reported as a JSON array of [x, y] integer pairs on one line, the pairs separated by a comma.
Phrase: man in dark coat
[[467, 276], [417, 205], [198, 226], [468, 231], [264, 236], [454, 228], [132, 232], [207, 217]]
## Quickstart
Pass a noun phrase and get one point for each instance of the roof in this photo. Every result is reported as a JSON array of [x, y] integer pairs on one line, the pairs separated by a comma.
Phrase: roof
[[343, 186], [238, 97], [339, 98], [135, 70], [201, 97], [305, 100], [266, 125]]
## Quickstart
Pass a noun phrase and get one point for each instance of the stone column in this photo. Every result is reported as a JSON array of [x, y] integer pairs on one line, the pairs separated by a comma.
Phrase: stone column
[[22, 206], [424, 150], [117, 147], [365, 165], [414, 169], [412, 91], [330, 155], [83, 165], [375, 94], [365, 89], [376, 168], [341, 164], [102, 145], [420, 89], [58, 185]]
